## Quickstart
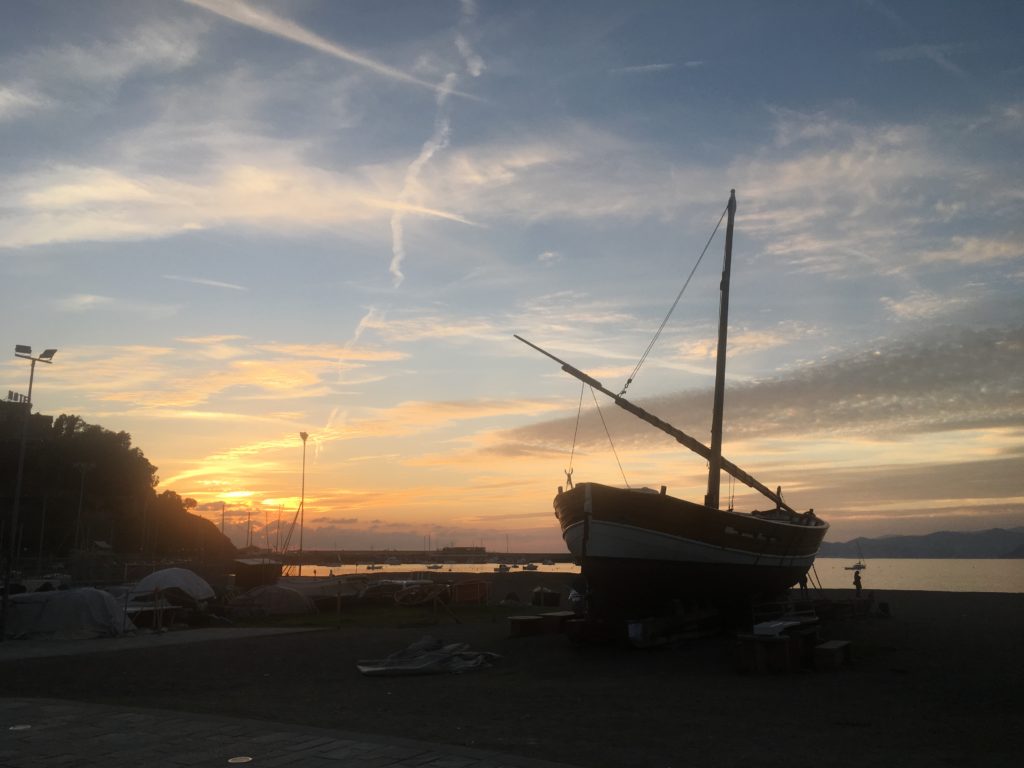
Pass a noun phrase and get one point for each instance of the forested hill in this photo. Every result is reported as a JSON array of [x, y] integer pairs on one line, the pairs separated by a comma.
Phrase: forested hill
[[993, 543], [87, 488]]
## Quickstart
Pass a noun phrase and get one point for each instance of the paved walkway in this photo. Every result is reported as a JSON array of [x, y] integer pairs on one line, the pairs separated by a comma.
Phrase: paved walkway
[[46, 733], [37, 649]]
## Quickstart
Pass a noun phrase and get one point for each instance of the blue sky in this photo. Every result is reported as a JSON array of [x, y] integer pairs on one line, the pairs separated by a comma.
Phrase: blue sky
[[241, 220]]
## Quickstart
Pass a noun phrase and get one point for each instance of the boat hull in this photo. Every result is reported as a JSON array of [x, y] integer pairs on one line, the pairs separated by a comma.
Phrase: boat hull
[[642, 548]]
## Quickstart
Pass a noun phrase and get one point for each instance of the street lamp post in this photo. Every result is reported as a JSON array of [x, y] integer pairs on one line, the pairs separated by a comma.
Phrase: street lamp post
[[23, 351], [302, 498]]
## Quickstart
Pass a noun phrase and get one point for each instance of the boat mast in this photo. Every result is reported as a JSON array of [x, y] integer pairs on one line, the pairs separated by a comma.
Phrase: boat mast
[[715, 460]]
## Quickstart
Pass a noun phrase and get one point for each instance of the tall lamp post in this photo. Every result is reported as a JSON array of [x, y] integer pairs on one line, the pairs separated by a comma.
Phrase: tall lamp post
[[24, 351], [302, 500]]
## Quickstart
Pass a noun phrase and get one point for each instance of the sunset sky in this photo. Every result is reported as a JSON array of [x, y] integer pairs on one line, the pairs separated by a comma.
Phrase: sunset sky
[[242, 220]]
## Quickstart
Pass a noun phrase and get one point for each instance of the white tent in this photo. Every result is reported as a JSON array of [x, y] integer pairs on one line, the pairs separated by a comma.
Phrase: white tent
[[182, 579], [68, 614]]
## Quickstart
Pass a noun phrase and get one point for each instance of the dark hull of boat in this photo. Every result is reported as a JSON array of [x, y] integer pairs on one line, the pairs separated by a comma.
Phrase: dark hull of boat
[[637, 588], [640, 549]]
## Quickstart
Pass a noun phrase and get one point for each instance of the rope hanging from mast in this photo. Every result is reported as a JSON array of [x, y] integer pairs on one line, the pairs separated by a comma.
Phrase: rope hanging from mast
[[572, 453], [609, 434], [657, 334], [576, 431]]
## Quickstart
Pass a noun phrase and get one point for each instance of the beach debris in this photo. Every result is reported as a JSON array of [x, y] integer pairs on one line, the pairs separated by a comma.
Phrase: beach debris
[[420, 594], [385, 590], [428, 656], [270, 600]]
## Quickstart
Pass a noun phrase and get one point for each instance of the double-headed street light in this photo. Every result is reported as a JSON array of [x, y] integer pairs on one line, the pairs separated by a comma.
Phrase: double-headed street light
[[23, 351]]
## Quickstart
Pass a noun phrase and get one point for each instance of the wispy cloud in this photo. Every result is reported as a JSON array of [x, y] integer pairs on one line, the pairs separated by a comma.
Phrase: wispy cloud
[[745, 341], [265, 21], [88, 302], [69, 204], [159, 46], [921, 305], [331, 352], [937, 54], [16, 102], [643, 68], [412, 417], [236, 468], [566, 171], [411, 327], [977, 250], [82, 302], [205, 281], [953, 380], [251, 378]]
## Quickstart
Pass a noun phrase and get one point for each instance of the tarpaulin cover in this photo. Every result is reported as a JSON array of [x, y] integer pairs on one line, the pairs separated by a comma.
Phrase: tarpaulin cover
[[68, 614]]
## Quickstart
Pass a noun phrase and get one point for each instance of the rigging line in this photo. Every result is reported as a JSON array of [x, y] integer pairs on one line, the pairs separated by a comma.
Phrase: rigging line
[[657, 334], [576, 431], [609, 435]]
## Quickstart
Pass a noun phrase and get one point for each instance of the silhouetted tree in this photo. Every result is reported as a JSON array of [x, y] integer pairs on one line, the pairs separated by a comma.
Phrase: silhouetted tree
[[83, 483]]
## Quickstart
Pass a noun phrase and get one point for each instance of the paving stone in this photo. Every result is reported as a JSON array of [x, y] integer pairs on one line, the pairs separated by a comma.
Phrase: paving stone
[[270, 738], [373, 761], [90, 735], [424, 759], [451, 762]]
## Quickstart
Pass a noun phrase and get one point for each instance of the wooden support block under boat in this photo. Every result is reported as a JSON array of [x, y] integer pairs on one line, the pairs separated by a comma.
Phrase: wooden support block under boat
[[554, 621], [524, 626], [759, 654], [803, 641], [833, 654]]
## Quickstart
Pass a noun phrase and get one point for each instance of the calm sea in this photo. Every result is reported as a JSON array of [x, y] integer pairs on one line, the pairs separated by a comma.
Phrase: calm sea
[[880, 574], [923, 574]]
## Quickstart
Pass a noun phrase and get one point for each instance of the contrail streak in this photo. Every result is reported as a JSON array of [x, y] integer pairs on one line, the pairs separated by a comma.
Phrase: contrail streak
[[264, 21], [437, 141]]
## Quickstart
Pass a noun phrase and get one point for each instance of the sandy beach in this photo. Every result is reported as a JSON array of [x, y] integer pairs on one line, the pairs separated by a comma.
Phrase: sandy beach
[[935, 683]]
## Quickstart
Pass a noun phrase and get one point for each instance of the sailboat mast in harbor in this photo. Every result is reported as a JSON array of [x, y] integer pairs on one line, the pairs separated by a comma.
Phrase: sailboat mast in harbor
[[717, 415]]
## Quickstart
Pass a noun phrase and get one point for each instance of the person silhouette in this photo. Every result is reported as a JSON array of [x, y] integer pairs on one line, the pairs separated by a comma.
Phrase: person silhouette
[[856, 582]]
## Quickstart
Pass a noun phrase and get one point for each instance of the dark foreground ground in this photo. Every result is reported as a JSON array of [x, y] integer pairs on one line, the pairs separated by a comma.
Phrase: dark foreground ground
[[938, 683]]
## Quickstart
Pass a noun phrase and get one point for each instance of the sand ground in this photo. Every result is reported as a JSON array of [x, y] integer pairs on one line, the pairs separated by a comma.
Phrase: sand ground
[[938, 682]]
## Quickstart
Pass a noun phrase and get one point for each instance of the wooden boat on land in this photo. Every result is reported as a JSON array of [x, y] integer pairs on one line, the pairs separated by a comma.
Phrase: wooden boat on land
[[640, 548]]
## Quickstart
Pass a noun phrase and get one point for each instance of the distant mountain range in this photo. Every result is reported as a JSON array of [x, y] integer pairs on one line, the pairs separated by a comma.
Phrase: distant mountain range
[[994, 543]]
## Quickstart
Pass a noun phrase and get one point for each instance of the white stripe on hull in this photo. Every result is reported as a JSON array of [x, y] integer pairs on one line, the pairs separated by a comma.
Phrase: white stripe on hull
[[627, 541]]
